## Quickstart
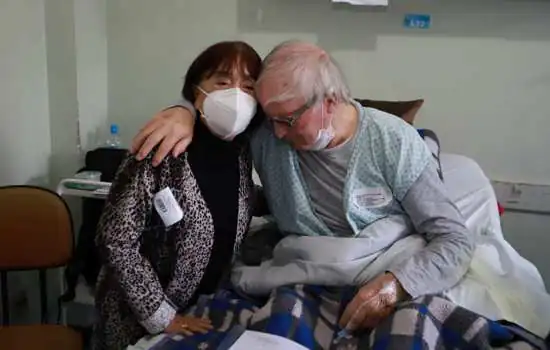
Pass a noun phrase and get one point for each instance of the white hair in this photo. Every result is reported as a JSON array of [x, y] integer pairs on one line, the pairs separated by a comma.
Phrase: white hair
[[308, 71]]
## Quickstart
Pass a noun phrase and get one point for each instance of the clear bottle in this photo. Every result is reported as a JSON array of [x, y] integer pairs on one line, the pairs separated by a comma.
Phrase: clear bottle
[[113, 141]]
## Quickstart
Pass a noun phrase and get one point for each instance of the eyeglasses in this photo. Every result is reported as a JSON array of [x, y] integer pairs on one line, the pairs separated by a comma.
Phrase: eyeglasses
[[294, 116]]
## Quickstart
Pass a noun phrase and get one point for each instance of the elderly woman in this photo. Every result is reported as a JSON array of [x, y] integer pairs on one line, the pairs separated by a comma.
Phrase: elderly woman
[[167, 234]]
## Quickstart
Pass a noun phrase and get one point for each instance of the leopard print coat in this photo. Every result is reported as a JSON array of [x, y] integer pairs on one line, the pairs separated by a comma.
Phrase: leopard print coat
[[152, 271]]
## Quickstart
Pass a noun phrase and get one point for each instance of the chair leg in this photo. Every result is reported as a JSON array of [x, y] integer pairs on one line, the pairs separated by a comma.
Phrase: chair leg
[[5, 298], [43, 296]]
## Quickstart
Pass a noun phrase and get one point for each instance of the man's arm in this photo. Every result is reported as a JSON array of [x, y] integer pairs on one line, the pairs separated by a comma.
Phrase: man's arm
[[446, 257], [183, 103], [170, 129], [439, 266], [410, 172]]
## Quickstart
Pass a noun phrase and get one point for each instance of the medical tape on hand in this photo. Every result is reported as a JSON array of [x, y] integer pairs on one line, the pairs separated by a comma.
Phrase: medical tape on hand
[[388, 288]]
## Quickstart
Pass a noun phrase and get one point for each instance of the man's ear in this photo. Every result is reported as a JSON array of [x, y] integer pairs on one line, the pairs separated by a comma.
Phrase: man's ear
[[331, 103]]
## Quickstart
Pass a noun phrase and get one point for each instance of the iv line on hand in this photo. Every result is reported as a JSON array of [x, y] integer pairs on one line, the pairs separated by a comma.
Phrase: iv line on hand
[[388, 288]]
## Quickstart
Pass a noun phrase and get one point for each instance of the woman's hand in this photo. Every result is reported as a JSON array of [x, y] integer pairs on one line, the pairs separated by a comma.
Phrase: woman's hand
[[171, 128], [373, 302], [188, 325]]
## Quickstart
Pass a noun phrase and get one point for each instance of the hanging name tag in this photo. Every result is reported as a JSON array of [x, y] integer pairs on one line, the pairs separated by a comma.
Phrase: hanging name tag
[[372, 197], [167, 207]]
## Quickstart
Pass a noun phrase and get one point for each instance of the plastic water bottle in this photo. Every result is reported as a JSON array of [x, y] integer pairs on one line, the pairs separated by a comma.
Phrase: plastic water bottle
[[113, 141]]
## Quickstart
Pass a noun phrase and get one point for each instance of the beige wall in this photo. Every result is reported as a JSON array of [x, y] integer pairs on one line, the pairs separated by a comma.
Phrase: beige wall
[[24, 117]]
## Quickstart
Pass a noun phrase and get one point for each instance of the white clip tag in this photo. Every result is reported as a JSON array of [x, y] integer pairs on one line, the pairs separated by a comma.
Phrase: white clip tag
[[168, 208]]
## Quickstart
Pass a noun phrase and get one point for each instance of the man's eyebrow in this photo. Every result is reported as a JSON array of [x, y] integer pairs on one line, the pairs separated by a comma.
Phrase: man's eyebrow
[[283, 114], [301, 109]]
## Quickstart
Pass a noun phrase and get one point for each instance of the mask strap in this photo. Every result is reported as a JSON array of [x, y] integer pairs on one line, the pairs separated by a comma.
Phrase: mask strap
[[323, 118], [206, 94], [202, 90]]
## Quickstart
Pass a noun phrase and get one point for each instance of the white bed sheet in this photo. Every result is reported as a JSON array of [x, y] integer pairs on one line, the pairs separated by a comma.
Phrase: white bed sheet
[[472, 192], [503, 284]]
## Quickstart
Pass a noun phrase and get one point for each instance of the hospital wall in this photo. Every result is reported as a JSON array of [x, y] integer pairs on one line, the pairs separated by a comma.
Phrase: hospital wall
[[24, 152]]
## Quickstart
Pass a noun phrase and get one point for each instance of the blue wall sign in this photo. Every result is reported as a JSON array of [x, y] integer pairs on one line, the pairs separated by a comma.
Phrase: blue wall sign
[[419, 21]]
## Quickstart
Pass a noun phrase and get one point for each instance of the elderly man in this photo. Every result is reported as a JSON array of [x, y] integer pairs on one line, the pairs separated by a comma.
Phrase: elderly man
[[331, 167]]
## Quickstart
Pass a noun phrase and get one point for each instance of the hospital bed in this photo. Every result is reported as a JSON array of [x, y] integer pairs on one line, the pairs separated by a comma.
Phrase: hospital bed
[[474, 196]]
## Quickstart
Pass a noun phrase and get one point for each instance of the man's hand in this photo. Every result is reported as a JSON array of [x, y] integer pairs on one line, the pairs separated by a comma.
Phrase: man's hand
[[373, 302], [171, 128], [188, 325]]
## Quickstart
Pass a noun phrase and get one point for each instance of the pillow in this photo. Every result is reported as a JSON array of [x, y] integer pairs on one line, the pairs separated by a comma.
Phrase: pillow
[[406, 110]]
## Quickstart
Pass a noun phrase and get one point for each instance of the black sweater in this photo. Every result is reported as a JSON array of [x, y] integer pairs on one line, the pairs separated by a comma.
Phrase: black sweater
[[215, 165]]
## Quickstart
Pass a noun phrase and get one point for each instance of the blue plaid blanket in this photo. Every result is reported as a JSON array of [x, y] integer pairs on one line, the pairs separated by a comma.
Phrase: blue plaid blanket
[[309, 314]]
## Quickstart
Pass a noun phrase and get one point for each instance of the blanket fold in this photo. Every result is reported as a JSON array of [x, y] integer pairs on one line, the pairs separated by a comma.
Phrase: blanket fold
[[497, 285]]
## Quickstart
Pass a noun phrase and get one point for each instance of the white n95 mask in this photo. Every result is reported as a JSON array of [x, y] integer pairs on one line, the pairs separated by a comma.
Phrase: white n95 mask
[[228, 112]]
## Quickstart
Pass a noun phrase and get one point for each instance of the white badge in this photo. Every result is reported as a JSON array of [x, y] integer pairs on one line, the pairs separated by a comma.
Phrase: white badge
[[168, 208], [372, 197]]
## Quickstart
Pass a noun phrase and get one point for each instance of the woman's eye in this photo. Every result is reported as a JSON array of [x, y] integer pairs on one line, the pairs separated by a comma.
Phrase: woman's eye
[[223, 83]]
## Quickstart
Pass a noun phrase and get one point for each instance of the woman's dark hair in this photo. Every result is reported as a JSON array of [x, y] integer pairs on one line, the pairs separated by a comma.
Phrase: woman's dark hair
[[225, 56]]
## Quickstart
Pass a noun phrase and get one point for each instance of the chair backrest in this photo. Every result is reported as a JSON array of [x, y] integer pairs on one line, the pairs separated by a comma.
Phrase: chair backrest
[[36, 229]]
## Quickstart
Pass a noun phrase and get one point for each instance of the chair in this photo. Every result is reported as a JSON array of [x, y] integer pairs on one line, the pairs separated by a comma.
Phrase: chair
[[36, 233]]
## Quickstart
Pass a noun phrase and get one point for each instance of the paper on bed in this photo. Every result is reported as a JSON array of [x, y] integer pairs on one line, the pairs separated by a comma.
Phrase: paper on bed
[[258, 340], [147, 343]]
